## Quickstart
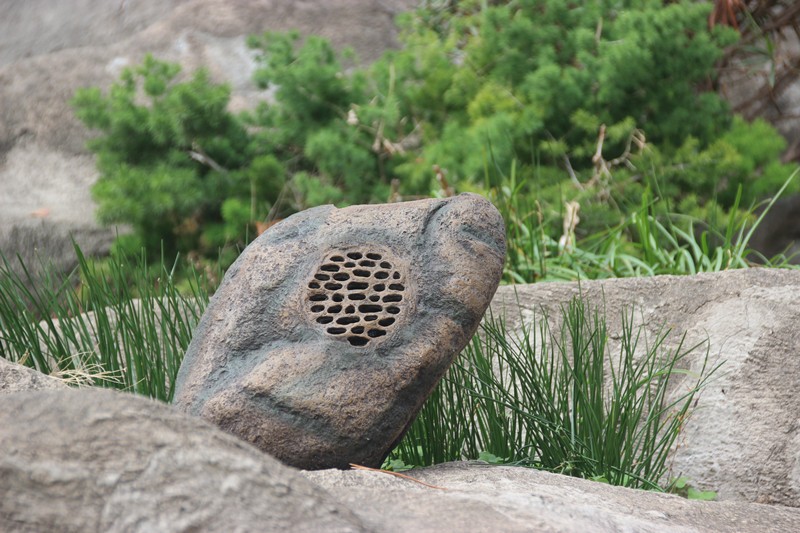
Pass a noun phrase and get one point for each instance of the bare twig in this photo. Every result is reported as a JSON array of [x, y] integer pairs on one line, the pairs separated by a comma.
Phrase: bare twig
[[394, 195], [572, 176], [447, 190], [600, 165], [637, 136], [396, 474], [203, 158], [571, 219]]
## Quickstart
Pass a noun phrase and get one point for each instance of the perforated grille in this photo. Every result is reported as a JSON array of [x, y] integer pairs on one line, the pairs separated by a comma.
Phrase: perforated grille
[[357, 295]]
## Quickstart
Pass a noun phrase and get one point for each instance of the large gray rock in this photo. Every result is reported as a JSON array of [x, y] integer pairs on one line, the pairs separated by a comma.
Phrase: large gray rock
[[50, 49], [95, 460], [101, 461], [743, 439], [18, 378], [331, 329], [474, 497]]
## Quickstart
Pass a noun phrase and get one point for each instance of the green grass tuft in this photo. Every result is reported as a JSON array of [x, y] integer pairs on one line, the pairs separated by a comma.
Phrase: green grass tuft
[[554, 399], [124, 324]]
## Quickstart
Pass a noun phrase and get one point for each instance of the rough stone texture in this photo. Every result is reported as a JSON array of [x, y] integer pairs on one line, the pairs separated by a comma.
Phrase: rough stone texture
[[95, 460], [18, 378], [484, 498], [49, 49], [101, 461], [779, 231], [278, 358], [747, 86], [743, 440]]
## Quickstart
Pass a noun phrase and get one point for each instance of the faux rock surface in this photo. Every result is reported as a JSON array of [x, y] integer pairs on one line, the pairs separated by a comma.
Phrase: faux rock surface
[[99, 461], [743, 439], [332, 328]]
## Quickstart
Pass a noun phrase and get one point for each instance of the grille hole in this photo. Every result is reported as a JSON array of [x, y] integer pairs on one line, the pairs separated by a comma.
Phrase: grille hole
[[356, 294]]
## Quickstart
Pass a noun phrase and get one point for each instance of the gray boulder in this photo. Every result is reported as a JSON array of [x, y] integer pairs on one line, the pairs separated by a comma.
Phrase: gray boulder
[[97, 460], [743, 439], [332, 328], [18, 378], [475, 497], [102, 461]]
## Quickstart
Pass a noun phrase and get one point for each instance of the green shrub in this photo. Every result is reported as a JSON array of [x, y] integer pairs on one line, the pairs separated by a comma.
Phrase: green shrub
[[539, 83], [169, 154], [593, 102]]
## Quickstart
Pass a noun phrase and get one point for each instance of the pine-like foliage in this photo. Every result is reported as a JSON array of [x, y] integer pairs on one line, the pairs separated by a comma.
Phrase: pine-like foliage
[[593, 102]]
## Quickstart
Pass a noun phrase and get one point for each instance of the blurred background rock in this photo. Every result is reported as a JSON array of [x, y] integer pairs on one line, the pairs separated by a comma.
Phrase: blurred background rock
[[50, 49]]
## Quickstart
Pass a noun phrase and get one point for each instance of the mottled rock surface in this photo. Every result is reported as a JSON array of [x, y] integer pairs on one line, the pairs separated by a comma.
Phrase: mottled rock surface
[[743, 439], [18, 378], [331, 329], [476, 497], [100, 461]]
